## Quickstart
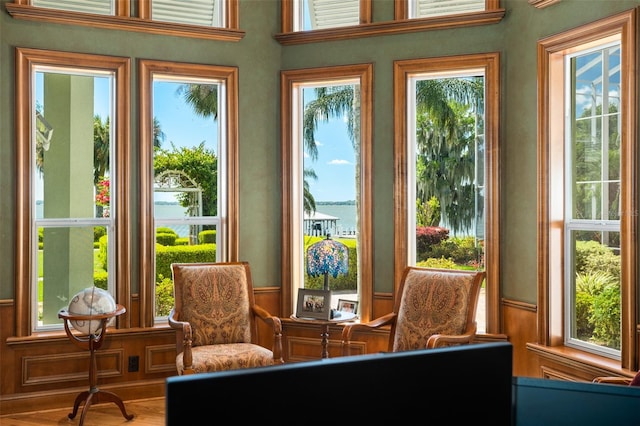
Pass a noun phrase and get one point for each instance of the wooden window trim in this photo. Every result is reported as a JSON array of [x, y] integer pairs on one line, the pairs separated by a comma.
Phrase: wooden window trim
[[492, 15], [26, 59], [551, 51], [231, 232], [490, 62], [22, 9], [287, 80]]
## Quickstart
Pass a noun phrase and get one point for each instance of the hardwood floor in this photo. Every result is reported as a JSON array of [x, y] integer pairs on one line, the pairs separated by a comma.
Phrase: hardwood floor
[[146, 412]]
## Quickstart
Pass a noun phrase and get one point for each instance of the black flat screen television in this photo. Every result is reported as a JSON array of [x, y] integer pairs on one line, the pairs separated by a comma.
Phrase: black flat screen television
[[464, 385]]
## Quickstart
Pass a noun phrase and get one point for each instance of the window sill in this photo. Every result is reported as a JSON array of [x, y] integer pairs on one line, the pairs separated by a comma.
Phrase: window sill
[[392, 27], [60, 335], [33, 13], [580, 361]]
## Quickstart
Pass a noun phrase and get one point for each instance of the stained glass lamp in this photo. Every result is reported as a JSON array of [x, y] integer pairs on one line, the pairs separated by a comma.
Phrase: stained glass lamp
[[327, 257]]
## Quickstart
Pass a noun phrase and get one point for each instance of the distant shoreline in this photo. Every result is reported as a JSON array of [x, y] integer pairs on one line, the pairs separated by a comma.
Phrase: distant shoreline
[[336, 203]]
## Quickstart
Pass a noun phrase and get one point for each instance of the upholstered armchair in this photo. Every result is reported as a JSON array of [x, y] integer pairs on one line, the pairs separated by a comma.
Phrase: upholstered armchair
[[433, 308], [215, 318]]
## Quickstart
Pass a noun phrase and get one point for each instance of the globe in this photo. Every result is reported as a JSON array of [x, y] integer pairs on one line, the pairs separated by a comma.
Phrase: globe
[[90, 301]]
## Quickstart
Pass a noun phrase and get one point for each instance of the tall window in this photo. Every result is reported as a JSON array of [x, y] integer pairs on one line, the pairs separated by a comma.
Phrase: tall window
[[190, 169], [73, 228], [588, 207], [592, 212], [326, 188], [446, 140]]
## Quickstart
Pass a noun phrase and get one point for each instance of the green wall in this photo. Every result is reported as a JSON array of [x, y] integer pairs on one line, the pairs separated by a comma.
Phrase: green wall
[[260, 58]]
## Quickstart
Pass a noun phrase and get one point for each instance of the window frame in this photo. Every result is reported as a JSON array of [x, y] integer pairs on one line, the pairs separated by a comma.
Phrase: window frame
[[551, 168], [400, 24], [123, 20], [26, 60], [228, 230], [288, 81], [403, 70]]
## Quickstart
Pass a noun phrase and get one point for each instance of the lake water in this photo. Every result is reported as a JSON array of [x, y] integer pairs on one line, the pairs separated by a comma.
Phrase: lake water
[[346, 213]]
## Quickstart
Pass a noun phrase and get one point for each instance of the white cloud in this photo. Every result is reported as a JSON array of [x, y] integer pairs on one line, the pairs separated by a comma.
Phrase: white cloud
[[339, 162]]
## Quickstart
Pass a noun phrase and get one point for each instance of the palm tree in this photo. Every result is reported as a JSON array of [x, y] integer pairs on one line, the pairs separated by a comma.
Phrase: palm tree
[[202, 97], [100, 148]]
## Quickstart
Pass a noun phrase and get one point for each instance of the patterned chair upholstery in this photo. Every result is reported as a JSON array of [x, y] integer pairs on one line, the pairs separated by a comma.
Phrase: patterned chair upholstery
[[215, 318], [433, 308]]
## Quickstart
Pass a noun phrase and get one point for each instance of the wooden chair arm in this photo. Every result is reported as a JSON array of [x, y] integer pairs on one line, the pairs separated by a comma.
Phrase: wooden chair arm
[[349, 329], [613, 380], [440, 340], [187, 339], [276, 325]]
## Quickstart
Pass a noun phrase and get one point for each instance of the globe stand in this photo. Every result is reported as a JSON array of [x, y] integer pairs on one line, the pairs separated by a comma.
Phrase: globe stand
[[92, 342]]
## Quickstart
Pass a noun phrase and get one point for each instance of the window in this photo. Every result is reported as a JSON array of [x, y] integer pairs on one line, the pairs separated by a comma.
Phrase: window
[[446, 158], [73, 230], [316, 101], [189, 171], [320, 14], [101, 7], [588, 206], [311, 21], [208, 19], [196, 12], [420, 9], [429, 8]]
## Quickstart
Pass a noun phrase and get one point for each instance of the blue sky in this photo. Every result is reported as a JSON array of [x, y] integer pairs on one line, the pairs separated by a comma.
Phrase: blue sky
[[178, 121], [335, 165]]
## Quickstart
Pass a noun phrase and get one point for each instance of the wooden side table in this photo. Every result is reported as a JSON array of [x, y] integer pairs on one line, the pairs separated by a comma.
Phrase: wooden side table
[[92, 342], [324, 324]]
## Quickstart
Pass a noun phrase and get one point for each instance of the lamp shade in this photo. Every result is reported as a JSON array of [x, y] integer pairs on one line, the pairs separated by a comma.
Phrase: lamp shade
[[328, 257]]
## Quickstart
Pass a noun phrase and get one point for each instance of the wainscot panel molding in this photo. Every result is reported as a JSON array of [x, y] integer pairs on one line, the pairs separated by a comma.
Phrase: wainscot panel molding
[[519, 323]]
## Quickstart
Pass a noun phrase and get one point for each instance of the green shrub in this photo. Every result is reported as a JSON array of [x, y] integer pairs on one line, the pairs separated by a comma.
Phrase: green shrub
[[464, 251], [598, 308], [100, 279], [183, 241], [440, 263], [164, 296], [102, 252], [593, 256], [166, 239], [207, 237], [166, 230], [99, 232], [606, 316], [166, 255]]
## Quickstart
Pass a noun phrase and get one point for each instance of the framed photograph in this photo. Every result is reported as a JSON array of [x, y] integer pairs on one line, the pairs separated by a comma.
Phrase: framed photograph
[[348, 306], [314, 304]]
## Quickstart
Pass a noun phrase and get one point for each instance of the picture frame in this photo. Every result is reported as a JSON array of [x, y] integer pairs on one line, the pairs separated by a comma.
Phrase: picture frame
[[314, 304], [345, 305]]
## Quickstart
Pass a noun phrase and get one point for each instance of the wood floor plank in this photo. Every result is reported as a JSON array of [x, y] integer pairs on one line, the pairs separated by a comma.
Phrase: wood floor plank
[[147, 412]]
